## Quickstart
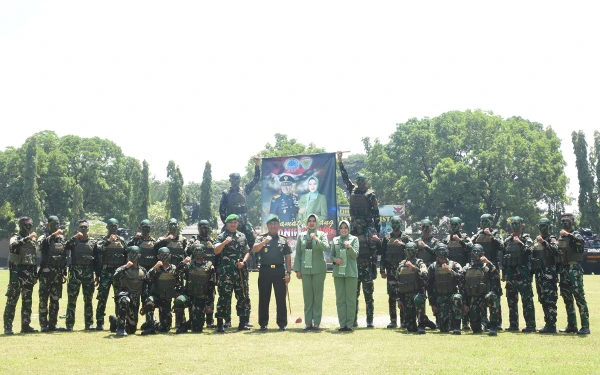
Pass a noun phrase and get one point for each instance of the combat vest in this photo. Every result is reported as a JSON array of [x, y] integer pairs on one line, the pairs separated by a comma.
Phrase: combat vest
[[456, 251], [197, 282], [133, 280], [394, 253], [444, 281], [364, 252], [476, 283], [513, 256], [148, 258], [408, 280], [177, 251], [570, 255], [82, 254], [425, 255], [164, 285], [236, 203], [209, 251], [541, 257], [359, 206], [26, 256], [56, 256], [114, 255], [489, 250]]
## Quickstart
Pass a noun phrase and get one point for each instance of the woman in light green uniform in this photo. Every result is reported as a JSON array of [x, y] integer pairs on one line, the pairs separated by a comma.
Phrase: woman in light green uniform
[[344, 250], [312, 202], [309, 264]]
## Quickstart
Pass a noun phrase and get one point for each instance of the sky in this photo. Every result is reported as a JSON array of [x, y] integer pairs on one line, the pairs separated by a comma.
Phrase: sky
[[192, 81]]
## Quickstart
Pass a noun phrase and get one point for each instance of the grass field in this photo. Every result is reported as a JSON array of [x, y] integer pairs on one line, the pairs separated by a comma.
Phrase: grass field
[[365, 350]]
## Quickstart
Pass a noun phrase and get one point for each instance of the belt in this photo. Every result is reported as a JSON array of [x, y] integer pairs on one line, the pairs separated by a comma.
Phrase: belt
[[271, 265]]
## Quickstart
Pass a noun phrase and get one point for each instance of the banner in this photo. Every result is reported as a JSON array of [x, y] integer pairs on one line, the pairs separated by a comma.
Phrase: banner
[[385, 213], [294, 187]]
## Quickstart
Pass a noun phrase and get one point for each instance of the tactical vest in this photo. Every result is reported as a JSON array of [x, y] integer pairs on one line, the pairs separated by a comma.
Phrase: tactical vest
[[476, 284], [26, 256], [570, 253], [197, 283], [82, 254], [513, 256], [489, 250], [236, 203], [425, 255], [364, 252], [133, 280], [164, 285], [177, 251], [209, 251], [456, 252], [114, 254], [444, 281], [408, 280], [148, 258], [56, 256], [359, 206], [394, 253]]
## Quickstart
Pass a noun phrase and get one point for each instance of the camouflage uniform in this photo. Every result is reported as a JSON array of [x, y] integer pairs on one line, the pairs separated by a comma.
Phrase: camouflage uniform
[[108, 258], [364, 262], [209, 256], [198, 296], [132, 281], [411, 288], [391, 256], [479, 278], [148, 247], [443, 287], [543, 266], [81, 276], [52, 272], [459, 252], [517, 273], [166, 284], [427, 255], [22, 278], [492, 247]]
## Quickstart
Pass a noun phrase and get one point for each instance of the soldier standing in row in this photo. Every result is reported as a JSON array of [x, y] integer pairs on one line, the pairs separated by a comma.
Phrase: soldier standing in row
[[367, 250], [412, 280], [543, 265], [21, 263], [52, 275]]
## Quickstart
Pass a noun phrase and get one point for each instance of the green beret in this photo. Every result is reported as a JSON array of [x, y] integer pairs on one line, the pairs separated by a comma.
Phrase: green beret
[[273, 218], [231, 217]]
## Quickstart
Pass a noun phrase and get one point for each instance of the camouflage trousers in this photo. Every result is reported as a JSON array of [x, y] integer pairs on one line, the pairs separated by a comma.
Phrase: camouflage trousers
[[365, 278], [165, 318], [519, 283], [496, 288], [571, 287], [450, 308], [393, 294], [80, 278], [478, 306], [546, 281], [21, 282], [128, 305], [413, 306], [198, 307], [104, 286], [232, 282], [50, 292]]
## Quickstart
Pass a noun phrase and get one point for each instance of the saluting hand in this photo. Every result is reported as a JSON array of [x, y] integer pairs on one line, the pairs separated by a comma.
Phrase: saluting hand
[[455, 237], [398, 242], [129, 264], [421, 243], [78, 235], [539, 239], [487, 231], [112, 238], [57, 233], [32, 235], [267, 239], [158, 264], [564, 233], [227, 240], [169, 237], [138, 235], [187, 260], [517, 240]]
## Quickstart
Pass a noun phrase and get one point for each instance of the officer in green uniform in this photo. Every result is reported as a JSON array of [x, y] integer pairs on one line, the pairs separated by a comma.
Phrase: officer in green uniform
[[199, 295], [285, 205], [426, 244], [310, 267], [132, 279], [517, 273], [22, 277], [367, 250], [81, 275], [344, 251], [412, 279], [444, 287], [110, 255], [52, 274], [274, 273], [478, 281], [392, 253], [543, 265], [571, 244]]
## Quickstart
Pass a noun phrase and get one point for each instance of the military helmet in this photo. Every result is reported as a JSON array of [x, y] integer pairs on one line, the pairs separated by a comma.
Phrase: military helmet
[[198, 250], [477, 251], [544, 221], [516, 223], [164, 254], [410, 249], [441, 250], [112, 221], [133, 253], [203, 222], [145, 222]]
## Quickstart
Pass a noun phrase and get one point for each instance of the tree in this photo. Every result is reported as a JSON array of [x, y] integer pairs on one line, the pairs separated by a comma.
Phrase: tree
[[7, 220], [157, 213], [205, 209], [31, 196], [140, 195], [77, 212], [175, 194], [191, 206], [586, 201]]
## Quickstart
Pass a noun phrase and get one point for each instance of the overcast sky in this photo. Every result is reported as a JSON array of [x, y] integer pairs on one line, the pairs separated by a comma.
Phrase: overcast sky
[[214, 80]]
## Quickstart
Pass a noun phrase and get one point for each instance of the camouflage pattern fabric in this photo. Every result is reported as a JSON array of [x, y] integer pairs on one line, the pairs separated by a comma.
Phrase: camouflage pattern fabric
[[50, 292], [571, 290], [519, 281], [365, 277], [105, 281], [21, 282], [80, 278]]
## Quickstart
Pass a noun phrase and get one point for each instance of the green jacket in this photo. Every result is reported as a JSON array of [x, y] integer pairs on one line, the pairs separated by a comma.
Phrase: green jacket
[[317, 207], [351, 254], [318, 249]]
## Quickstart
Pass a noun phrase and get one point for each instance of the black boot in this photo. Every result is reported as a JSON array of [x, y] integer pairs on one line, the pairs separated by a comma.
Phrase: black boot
[[113, 323], [493, 329], [242, 326], [220, 328], [570, 329], [548, 329], [456, 329], [26, 328]]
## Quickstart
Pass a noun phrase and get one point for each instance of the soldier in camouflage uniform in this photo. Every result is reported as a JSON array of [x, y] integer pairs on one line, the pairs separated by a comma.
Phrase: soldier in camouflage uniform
[[570, 245], [459, 248], [367, 250], [199, 295], [392, 253], [426, 244], [52, 274], [444, 287], [516, 272], [234, 250], [22, 278], [412, 280], [543, 265], [209, 256], [132, 280], [492, 244], [81, 275], [110, 255], [166, 284], [479, 276]]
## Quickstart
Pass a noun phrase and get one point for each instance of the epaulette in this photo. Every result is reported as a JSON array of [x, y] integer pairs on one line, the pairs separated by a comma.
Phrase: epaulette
[[276, 196]]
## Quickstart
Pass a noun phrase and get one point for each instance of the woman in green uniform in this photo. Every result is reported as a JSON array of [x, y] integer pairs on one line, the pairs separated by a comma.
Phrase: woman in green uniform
[[312, 202], [344, 250]]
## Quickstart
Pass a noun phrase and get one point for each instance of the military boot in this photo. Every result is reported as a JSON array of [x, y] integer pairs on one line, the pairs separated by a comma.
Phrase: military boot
[[429, 324], [493, 329], [26, 328], [220, 328], [392, 324], [121, 332], [9, 331], [584, 331], [148, 331], [242, 326], [571, 328], [456, 329], [210, 322], [113, 323], [548, 329], [182, 329], [56, 328], [512, 327], [528, 330], [421, 329], [227, 324], [99, 326]]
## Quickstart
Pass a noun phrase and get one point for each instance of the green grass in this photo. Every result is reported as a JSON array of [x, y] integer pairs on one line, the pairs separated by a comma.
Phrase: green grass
[[376, 350]]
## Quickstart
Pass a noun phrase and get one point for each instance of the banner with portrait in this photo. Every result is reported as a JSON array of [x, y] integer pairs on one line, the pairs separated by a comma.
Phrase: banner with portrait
[[294, 187]]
